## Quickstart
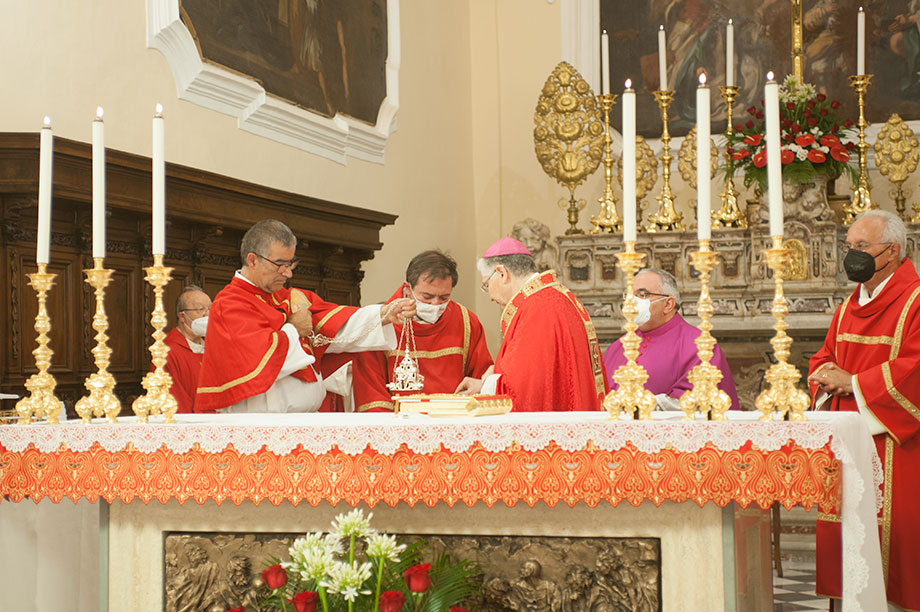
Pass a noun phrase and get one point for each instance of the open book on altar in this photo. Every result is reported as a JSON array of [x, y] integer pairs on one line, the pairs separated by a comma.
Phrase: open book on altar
[[446, 404]]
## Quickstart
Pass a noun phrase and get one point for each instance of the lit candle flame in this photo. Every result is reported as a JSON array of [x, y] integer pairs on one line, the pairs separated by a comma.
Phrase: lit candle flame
[[702, 78], [730, 22], [159, 109], [47, 121], [661, 27], [99, 112], [860, 9], [628, 84], [770, 76]]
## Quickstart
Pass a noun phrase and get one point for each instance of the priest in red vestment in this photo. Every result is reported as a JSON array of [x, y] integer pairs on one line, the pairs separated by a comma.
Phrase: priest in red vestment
[[870, 362], [449, 340], [550, 358], [186, 345], [263, 339]]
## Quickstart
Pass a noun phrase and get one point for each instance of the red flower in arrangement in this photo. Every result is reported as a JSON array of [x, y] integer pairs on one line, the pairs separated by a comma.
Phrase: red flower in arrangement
[[305, 601], [829, 140], [738, 127], [417, 578], [835, 104], [850, 146], [840, 154], [804, 140], [749, 124], [752, 110], [824, 112], [812, 121], [848, 123], [240, 609], [835, 129], [760, 160], [391, 601], [788, 137], [787, 123], [812, 103], [274, 576], [790, 105], [457, 609], [795, 128], [821, 97], [739, 155], [753, 139], [786, 156], [759, 115], [816, 157]]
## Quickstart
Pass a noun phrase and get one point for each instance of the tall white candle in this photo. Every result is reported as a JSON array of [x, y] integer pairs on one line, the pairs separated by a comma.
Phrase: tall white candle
[[729, 54], [605, 62], [159, 183], [662, 60], [98, 185], [861, 41], [45, 162], [774, 163], [629, 163], [703, 206]]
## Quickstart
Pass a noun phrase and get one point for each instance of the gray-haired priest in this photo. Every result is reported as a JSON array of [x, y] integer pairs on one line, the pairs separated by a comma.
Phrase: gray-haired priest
[[263, 340]]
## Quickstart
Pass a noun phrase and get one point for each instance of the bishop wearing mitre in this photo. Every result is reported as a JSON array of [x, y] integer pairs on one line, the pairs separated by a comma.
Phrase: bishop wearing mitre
[[264, 341]]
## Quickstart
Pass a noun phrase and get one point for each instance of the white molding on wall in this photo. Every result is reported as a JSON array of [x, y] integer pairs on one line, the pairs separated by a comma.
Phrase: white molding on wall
[[256, 111]]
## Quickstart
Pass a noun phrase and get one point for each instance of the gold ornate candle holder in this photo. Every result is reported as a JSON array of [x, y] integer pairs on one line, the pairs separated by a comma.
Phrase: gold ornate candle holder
[[862, 200], [729, 215], [631, 396], [666, 217], [41, 403], [158, 399], [608, 220], [781, 395], [705, 397], [101, 400]]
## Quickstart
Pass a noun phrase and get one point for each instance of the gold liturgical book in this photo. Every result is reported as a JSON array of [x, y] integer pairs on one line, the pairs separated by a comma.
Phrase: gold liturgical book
[[449, 405]]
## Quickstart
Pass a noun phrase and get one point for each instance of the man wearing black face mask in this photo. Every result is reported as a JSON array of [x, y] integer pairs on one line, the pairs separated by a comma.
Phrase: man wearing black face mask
[[449, 340], [870, 362]]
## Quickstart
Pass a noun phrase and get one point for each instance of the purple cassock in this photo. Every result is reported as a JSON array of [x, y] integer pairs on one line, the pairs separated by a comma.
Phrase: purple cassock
[[668, 353]]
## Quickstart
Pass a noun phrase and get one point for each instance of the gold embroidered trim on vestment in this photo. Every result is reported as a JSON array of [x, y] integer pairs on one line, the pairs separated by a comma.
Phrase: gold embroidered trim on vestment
[[245, 377], [859, 339], [886, 508], [530, 287], [329, 315], [899, 330], [828, 518], [451, 350], [905, 403], [466, 335], [378, 404], [843, 309]]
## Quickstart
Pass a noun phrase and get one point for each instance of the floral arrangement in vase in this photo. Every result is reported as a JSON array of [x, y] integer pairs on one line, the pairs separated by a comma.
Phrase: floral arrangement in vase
[[814, 140], [353, 568]]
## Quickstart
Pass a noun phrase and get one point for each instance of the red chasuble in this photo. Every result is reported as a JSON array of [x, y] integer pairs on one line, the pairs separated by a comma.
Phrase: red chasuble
[[184, 366], [245, 347], [447, 351], [880, 344], [550, 358]]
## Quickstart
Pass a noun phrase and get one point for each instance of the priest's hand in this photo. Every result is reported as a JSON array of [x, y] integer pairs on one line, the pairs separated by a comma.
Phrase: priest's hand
[[469, 386], [397, 311], [832, 379], [302, 320]]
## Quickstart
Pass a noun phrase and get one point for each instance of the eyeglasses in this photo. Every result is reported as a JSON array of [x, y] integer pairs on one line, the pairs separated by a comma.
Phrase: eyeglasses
[[860, 246], [289, 265], [644, 294], [484, 287], [204, 308]]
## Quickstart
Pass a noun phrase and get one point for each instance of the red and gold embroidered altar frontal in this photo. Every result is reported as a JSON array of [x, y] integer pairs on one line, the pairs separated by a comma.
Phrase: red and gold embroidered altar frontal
[[526, 458]]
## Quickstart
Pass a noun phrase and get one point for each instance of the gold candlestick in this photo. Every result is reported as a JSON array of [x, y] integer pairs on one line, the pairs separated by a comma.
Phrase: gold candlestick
[[705, 397], [158, 399], [631, 396], [41, 403], [862, 200], [608, 220], [665, 218], [729, 215], [101, 400], [781, 395]]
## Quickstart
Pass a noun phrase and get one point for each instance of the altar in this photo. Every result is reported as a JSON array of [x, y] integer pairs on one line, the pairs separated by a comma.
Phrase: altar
[[560, 475]]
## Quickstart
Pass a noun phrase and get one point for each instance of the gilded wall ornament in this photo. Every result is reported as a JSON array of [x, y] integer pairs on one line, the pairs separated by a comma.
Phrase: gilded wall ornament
[[686, 158], [896, 155], [568, 134]]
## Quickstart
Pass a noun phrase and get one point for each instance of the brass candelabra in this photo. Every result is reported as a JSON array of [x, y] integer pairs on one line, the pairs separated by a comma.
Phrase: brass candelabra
[[608, 220], [630, 397], [101, 400], [157, 399], [705, 397], [666, 217], [781, 395], [862, 200], [729, 215], [41, 403]]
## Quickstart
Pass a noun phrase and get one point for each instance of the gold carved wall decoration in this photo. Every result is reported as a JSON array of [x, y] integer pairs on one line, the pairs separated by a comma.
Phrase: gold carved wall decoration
[[568, 134], [795, 265], [646, 174], [896, 155], [686, 158]]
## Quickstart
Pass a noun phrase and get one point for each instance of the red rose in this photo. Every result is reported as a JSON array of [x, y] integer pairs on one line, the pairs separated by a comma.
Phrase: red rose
[[457, 609], [305, 602], [811, 103], [829, 140], [850, 146], [804, 140], [751, 110], [759, 115], [835, 104], [795, 128], [790, 106], [749, 124], [417, 578], [824, 112], [754, 139], [815, 156], [848, 123], [787, 123], [738, 127], [391, 601], [821, 97], [739, 155], [275, 577], [835, 129], [786, 156], [840, 154], [760, 160], [788, 137], [812, 121], [806, 113]]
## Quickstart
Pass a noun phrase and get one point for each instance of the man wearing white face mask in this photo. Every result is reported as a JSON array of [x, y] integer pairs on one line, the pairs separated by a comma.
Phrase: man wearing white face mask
[[186, 345], [449, 339], [668, 351]]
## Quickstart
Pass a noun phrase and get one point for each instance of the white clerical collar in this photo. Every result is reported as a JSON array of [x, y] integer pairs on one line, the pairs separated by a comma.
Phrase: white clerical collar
[[239, 274], [865, 297]]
